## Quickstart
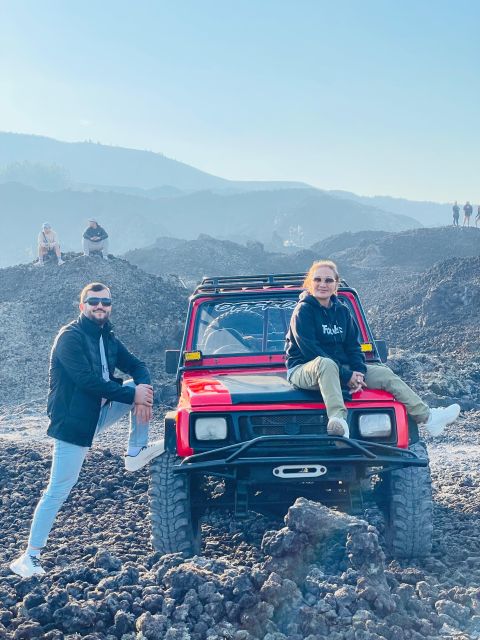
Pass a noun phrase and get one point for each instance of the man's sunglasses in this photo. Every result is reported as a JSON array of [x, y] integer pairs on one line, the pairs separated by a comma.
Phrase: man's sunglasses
[[326, 280], [94, 302]]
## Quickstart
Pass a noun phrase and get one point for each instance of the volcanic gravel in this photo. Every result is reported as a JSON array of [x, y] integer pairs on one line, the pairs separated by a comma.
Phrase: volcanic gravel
[[147, 315], [319, 575]]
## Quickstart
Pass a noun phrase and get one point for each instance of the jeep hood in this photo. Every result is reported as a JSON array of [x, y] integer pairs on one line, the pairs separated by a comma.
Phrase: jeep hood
[[257, 388]]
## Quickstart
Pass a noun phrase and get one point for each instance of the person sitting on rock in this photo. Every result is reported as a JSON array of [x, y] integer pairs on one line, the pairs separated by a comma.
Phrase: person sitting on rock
[[95, 238], [48, 242], [324, 352], [84, 399]]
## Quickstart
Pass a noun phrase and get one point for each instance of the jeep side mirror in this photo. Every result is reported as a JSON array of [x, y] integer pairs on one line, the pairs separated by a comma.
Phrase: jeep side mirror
[[172, 356], [382, 349]]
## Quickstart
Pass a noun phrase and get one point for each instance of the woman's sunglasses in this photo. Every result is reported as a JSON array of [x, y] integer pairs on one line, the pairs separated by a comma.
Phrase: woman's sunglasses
[[326, 280]]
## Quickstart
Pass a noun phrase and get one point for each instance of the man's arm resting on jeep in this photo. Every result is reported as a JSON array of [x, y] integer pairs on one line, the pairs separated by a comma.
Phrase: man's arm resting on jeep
[[70, 351], [128, 363]]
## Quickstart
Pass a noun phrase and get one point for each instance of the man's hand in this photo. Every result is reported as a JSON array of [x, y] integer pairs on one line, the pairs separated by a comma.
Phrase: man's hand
[[357, 382], [143, 413], [144, 394]]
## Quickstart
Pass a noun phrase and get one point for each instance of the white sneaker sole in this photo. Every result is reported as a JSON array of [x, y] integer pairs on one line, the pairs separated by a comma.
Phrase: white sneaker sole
[[24, 574], [438, 428], [135, 463]]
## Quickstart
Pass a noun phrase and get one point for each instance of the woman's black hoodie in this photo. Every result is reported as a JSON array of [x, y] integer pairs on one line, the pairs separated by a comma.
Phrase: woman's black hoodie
[[326, 332]]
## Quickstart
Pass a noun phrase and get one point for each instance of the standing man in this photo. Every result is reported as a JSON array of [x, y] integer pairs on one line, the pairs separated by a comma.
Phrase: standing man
[[48, 241], [467, 210], [84, 399], [456, 214], [477, 217], [95, 238]]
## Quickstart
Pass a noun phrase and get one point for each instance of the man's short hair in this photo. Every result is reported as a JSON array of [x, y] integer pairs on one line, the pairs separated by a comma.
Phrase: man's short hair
[[93, 286]]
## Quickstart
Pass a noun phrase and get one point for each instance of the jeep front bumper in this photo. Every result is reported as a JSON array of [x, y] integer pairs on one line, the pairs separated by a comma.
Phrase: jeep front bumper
[[341, 458]]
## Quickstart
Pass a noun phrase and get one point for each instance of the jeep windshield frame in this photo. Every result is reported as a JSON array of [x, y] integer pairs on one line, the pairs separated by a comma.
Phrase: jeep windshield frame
[[236, 345]]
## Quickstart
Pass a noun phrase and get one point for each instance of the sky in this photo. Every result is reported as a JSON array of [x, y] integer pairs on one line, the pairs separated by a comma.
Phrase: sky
[[376, 97]]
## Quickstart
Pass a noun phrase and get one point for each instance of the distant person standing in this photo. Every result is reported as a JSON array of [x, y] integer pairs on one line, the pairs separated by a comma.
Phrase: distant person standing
[[95, 238], [467, 212], [48, 243], [477, 217], [456, 214]]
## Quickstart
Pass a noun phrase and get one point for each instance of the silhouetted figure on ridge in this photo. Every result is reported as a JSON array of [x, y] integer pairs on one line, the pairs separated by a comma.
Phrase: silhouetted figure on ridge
[[456, 214], [467, 211]]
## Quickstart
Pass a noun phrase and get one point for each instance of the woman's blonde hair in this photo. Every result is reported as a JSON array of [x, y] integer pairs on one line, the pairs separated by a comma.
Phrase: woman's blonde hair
[[308, 282]]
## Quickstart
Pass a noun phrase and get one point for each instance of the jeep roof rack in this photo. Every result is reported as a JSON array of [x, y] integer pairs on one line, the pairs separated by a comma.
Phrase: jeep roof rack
[[262, 281]]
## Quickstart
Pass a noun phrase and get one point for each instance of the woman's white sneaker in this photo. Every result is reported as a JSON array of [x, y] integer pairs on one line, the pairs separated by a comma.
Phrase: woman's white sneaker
[[27, 566], [338, 427], [440, 417]]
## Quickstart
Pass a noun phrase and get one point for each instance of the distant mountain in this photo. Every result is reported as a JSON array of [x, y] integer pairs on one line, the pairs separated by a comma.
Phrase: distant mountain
[[428, 213], [300, 216], [193, 259], [413, 250], [130, 221], [90, 165]]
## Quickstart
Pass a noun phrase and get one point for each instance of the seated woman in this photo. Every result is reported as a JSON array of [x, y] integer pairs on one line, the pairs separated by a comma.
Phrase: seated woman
[[323, 351]]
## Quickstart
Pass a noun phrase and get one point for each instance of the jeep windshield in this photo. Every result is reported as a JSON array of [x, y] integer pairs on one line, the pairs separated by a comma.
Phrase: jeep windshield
[[239, 326]]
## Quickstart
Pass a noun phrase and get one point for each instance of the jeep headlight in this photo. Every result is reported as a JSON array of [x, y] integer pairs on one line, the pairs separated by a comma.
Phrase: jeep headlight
[[211, 428], [375, 425]]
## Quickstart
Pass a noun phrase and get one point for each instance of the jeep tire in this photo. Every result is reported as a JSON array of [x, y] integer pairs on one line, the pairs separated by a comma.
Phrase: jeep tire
[[175, 528], [408, 509]]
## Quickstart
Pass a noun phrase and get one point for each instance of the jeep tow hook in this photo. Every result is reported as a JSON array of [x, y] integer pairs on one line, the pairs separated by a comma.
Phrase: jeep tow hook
[[299, 471]]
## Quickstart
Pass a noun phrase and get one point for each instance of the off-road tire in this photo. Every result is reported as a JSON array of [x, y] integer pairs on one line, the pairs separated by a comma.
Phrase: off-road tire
[[175, 526], [409, 510]]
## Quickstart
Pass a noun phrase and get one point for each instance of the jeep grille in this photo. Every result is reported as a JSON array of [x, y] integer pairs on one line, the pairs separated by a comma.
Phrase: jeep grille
[[282, 424]]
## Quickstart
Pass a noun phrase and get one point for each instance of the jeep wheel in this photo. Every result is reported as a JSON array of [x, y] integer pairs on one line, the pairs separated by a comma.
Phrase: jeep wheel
[[409, 511], [175, 527]]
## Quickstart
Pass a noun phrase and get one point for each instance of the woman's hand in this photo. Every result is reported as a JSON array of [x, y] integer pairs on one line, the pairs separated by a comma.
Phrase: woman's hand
[[357, 382]]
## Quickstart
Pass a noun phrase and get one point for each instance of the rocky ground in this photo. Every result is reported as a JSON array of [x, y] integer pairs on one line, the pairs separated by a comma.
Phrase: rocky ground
[[319, 575], [147, 315]]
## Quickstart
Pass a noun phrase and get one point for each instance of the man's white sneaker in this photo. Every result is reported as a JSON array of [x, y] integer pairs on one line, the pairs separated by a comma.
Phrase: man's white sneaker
[[60, 261], [38, 263], [27, 566], [338, 427], [144, 456], [440, 417]]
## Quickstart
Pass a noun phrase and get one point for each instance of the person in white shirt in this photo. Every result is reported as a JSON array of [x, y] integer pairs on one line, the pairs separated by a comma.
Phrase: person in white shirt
[[48, 241]]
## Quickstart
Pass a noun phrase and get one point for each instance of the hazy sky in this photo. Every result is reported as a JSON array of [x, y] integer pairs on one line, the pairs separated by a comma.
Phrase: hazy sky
[[375, 97]]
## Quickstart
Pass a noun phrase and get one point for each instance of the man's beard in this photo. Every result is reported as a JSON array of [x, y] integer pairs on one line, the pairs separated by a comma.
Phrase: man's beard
[[100, 320]]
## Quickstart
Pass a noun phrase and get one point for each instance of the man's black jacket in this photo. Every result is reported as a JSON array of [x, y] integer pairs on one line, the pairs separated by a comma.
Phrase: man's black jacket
[[92, 232], [76, 383], [327, 332]]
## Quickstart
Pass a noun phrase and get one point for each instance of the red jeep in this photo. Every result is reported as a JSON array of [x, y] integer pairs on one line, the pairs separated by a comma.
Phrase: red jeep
[[240, 422]]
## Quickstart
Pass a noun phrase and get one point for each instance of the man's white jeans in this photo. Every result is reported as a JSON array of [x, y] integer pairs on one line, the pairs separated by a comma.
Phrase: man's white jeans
[[67, 461], [323, 374]]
